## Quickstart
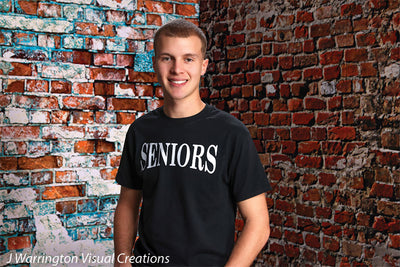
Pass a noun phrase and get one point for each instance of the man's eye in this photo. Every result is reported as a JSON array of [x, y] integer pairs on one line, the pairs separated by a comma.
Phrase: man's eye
[[189, 59], [165, 58]]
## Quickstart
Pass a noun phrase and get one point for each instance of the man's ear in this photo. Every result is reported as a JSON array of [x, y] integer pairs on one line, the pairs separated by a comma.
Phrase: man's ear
[[204, 66]]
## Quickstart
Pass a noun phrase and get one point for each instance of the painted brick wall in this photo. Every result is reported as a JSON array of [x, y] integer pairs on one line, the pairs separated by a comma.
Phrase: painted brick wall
[[73, 75], [318, 85]]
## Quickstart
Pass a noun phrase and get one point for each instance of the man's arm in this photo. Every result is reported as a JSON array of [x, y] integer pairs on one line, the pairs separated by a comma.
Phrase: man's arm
[[255, 232], [125, 223]]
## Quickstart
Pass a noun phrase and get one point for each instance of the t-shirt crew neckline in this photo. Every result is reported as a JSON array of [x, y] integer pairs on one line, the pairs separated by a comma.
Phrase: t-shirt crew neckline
[[196, 116]]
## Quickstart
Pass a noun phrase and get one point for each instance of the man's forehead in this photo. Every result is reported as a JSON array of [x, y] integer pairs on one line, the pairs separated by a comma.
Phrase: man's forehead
[[179, 43]]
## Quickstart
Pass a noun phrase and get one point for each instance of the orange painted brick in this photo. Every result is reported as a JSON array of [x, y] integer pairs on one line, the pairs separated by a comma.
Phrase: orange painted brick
[[125, 118], [19, 242], [60, 87], [73, 102], [83, 88], [28, 7], [60, 116], [103, 146], [15, 86], [45, 162], [57, 192], [37, 86], [185, 10], [8, 163], [86, 146], [142, 77], [103, 59], [36, 102], [155, 6], [107, 74], [20, 69], [109, 174], [126, 104], [125, 60], [82, 117]]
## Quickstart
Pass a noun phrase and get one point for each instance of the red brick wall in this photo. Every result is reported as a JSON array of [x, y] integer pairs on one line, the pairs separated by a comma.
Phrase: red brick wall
[[318, 85], [73, 75]]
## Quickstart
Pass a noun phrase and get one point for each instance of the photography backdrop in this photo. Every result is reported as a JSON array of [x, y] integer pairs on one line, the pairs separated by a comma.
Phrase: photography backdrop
[[316, 82]]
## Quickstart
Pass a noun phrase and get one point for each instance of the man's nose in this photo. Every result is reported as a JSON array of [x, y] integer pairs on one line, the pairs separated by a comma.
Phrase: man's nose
[[177, 66]]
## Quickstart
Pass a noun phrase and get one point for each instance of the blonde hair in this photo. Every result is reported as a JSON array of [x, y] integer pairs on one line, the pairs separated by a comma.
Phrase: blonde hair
[[180, 28]]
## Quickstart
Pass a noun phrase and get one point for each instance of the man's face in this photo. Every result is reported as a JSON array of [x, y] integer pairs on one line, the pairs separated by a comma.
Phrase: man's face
[[179, 65]]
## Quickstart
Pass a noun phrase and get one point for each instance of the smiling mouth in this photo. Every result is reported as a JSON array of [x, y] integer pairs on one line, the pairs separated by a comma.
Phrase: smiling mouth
[[178, 82]]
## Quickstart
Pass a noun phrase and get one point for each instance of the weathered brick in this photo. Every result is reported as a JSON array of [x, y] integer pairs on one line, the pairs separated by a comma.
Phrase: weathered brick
[[342, 133], [308, 161], [126, 104], [57, 192], [320, 30], [19, 242], [331, 57], [45, 162], [314, 103]]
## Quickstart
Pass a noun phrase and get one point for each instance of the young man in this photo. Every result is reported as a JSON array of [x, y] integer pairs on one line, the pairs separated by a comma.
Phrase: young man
[[191, 165]]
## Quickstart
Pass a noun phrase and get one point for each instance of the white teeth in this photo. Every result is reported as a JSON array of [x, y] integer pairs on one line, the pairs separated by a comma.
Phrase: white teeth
[[179, 82]]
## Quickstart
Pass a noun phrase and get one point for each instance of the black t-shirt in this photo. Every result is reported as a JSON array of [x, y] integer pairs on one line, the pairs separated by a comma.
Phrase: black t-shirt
[[192, 172]]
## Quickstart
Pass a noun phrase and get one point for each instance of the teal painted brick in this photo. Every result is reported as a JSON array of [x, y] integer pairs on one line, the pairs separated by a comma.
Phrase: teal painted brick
[[73, 12], [116, 44], [26, 225], [108, 203], [87, 205], [35, 24], [5, 5], [8, 227], [143, 62], [62, 147], [95, 15], [76, 220], [73, 42]]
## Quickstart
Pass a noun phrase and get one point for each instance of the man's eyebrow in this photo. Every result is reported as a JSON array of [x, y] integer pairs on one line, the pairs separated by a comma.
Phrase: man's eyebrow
[[184, 55]]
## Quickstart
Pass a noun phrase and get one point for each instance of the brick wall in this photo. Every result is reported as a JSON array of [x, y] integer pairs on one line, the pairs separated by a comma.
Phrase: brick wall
[[73, 75], [318, 85]]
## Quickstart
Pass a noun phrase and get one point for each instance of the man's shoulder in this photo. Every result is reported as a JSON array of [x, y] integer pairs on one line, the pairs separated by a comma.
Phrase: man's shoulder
[[148, 117], [227, 121]]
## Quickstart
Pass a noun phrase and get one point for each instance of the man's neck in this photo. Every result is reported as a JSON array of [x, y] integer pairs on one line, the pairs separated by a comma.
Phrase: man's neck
[[182, 109]]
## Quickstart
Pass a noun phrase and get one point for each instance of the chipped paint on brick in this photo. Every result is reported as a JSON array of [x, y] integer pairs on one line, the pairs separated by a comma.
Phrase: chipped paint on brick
[[62, 132], [270, 89], [118, 134], [6, 67], [328, 88], [19, 195], [116, 44], [17, 115], [35, 24], [72, 12], [39, 117], [123, 91], [53, 239], [97, 16], [15, 211], [124, 4], [72, 72], [73, 42], [392, 71], [15, 179]]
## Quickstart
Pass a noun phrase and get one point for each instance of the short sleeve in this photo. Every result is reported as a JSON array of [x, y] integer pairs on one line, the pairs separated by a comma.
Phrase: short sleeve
[[247, 175], [127, 174]]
